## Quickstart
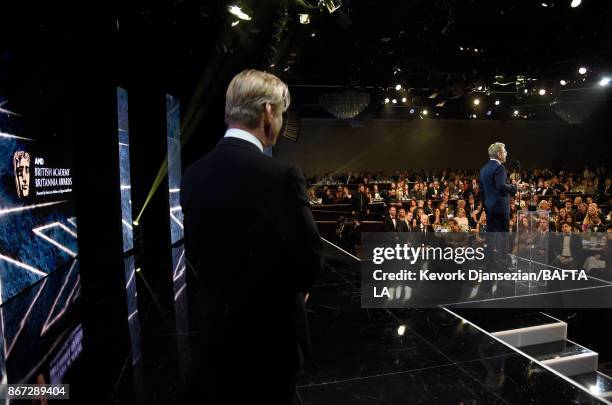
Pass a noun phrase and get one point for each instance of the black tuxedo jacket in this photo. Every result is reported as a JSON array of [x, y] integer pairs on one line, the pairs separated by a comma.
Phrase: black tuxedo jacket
[[429, 228], [359, 202], [543, 191], [404, 226], [433, 193], [251, 273], [389, 227]]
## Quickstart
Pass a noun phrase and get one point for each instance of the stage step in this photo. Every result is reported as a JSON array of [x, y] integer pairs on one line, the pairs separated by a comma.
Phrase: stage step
[[529, 330], [598, 383], [544, 339], [564, 356]]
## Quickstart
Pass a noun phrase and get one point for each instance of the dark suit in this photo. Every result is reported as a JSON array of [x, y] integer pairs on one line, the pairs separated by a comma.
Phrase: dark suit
[[389, 226], [421, 228], [251, 239], [404, 226], [359, 204], [494, 195], [575, 251], [544, 191], [495, 192], [434, 193]]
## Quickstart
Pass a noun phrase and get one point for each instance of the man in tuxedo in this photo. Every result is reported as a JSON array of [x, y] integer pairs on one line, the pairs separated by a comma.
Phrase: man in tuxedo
[[495, 189], [470, 208], [391, 221], [252, 276], [543, 189], [349, 179], [405, 221], [435, 190], [359, 203], [424, 225]]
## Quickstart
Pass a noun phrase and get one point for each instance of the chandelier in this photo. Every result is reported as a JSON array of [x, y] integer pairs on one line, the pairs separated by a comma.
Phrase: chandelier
[[345, 105]]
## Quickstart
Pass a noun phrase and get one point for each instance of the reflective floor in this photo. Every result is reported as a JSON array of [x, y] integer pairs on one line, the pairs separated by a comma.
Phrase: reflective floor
[[57, 333]]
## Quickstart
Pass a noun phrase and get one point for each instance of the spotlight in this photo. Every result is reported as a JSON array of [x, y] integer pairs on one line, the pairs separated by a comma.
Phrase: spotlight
[[313, 34], [544, 5], [403, 99], [398, 87], [411, 111], [516, 113], [461, 48], [474, 116], [496, 102], [476, 50], [237, 11], [582, 70], [476, 101], [332, 5], [304, 18], [401, 330], [425, 112], [387, 100], [562, 82], [489, 113], [394, 101], [604, 82], [479, 88], [525, 91], [575, 3], [235, 23], [135, 222], [542, 92], [138, 270]]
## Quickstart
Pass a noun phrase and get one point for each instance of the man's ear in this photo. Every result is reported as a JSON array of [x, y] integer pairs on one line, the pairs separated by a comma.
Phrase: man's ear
[[268, 110]]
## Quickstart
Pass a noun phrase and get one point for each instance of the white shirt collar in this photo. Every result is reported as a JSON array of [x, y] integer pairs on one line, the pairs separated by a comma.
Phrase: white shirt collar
[[495, 160], [244, 135]]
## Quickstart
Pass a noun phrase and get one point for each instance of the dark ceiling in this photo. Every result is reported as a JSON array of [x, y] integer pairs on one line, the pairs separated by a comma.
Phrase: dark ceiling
[[448, 48]]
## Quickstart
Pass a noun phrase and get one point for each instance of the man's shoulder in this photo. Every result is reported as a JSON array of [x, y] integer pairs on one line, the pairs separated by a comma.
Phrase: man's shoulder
[[223, 159]]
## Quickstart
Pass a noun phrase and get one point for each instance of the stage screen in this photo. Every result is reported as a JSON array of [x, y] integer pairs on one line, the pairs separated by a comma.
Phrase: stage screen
[[38, 226], [173, 130], [124, 168]]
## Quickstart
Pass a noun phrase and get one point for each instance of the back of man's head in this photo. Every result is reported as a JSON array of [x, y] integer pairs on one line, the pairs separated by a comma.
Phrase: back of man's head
[[249, 92]]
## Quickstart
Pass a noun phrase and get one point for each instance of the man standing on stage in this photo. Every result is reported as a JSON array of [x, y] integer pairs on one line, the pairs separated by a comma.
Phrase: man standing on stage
[[254, 272], [495, 189], [495, 194]]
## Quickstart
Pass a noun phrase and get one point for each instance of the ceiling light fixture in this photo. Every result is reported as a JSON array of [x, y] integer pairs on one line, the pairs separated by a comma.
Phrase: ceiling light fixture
[[237, 11]]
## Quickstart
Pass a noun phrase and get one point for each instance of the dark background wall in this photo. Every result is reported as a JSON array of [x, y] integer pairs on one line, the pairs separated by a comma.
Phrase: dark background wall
[[388, 145]]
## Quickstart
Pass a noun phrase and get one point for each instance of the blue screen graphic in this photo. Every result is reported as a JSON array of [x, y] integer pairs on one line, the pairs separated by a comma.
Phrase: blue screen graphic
[[173, 130], [38, 226], [124, 168]]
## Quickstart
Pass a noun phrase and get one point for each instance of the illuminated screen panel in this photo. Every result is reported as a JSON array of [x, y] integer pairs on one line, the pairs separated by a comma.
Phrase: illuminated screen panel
[[173, 130], [36, 344], [124, 168], [38, 226]]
